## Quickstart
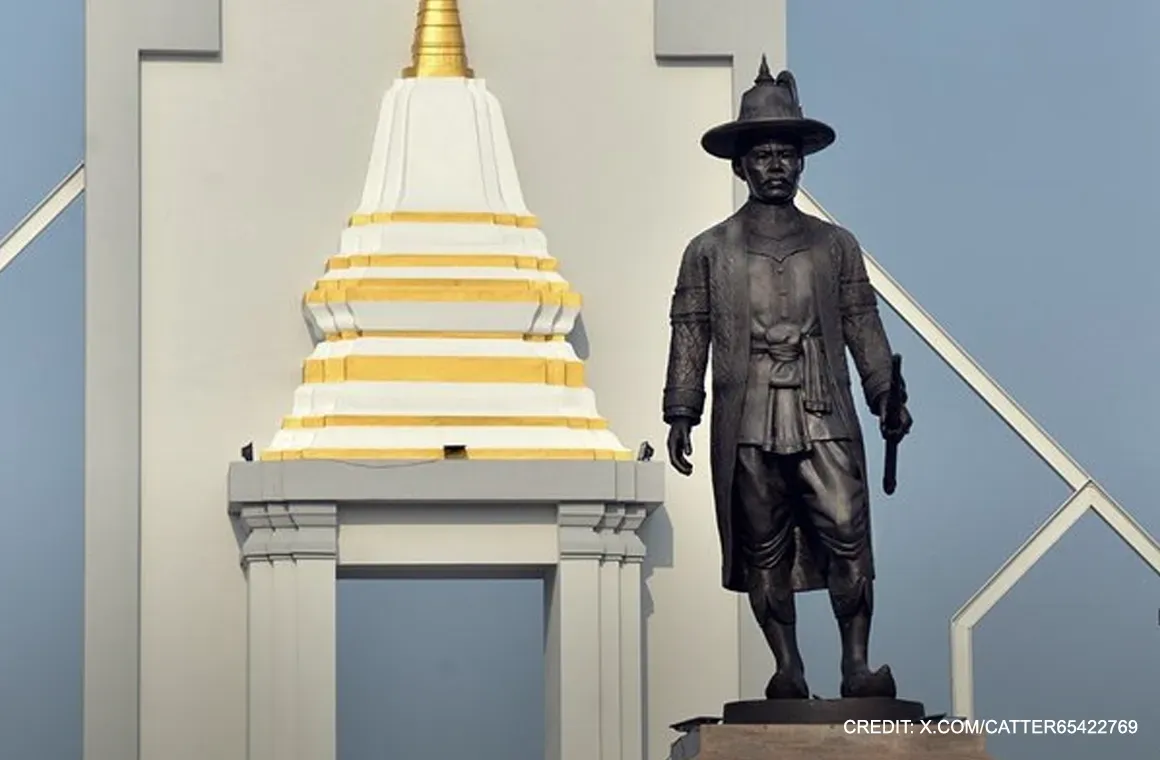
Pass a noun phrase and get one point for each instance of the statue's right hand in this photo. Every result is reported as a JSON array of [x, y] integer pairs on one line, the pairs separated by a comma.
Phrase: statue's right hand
[[680, 445]]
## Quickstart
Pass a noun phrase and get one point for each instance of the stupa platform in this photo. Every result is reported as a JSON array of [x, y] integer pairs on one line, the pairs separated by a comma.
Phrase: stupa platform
[[377, 481], [574, 524]]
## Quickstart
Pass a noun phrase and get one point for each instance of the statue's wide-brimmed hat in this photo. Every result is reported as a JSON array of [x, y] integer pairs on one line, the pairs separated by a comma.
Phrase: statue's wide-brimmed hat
[[769, 109]]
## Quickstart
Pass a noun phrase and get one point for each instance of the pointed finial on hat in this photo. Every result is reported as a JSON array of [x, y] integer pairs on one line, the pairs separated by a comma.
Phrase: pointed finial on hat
[[763, 74], [438, 49]]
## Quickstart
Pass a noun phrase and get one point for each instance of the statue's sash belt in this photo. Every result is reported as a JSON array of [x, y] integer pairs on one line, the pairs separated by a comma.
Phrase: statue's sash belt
[[809, 350]]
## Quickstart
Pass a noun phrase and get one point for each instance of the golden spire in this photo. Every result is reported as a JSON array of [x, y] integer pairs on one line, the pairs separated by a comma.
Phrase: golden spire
[[438, 50]]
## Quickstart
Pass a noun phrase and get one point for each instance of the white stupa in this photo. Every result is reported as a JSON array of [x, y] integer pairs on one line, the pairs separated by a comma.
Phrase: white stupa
[[442, 320]]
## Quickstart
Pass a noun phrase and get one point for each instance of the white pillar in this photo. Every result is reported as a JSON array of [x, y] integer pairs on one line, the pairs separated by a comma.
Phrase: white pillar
[[631, 679], [573, 637], [610, 633], [595, 665], [290, 554]]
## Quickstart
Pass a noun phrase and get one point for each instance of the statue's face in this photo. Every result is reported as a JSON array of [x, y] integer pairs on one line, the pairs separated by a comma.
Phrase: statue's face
[[772, 170]]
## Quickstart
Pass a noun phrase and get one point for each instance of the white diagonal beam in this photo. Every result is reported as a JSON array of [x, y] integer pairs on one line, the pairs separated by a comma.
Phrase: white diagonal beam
[[964, 621], [42, 215], [963, 364], [1032, 550], [1092, 497], [1126, 527]]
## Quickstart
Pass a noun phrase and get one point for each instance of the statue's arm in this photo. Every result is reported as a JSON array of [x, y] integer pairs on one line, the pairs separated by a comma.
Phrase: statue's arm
[[861, 324], [684, 395]]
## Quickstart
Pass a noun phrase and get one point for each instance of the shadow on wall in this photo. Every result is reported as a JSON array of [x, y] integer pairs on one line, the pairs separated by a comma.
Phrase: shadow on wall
[[240, 531], [657, 536]]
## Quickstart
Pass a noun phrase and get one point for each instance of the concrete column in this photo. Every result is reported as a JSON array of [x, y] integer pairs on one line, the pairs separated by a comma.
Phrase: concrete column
[[631, 677], [610, 633], [290, 554], [594, 636], [573, 637]]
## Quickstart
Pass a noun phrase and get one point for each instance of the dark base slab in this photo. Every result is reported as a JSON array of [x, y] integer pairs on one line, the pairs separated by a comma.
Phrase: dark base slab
[[820, 711]]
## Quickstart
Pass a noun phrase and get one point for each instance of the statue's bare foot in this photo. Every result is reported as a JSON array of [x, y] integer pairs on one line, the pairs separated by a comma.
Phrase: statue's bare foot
[[863, 682], [787, 684]]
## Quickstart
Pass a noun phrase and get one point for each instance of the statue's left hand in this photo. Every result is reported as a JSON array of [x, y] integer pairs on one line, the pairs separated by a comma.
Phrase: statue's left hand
[[680, 445], [891, 433]]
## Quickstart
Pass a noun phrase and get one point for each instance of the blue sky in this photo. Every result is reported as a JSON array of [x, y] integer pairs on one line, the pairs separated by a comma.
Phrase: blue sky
[[42, 386]]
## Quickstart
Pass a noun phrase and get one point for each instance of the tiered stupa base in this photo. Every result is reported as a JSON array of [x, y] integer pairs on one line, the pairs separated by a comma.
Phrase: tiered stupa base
[[440, 325]]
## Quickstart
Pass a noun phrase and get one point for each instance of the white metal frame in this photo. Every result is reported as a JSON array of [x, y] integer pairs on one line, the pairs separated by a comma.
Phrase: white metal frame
[[1089, 496], [1086, 493], [41, 216]]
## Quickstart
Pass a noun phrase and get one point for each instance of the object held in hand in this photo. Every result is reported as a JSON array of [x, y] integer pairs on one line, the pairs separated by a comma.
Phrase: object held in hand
[[892, 422]]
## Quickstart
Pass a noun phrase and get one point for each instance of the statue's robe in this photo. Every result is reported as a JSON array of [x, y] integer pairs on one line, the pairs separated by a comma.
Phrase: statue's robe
[[711, 308]]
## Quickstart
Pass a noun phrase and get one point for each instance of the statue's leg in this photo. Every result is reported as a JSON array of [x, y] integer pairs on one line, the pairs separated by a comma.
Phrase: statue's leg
[[836, 495], [765, 529]]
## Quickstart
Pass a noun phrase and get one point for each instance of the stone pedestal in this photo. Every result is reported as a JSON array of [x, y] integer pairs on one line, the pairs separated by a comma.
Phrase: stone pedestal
[[573, 523], [785, 742]]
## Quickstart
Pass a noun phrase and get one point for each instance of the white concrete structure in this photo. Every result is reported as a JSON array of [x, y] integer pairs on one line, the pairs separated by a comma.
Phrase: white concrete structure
[[571, 523], [442, 320], [442, 323], [247, 170]]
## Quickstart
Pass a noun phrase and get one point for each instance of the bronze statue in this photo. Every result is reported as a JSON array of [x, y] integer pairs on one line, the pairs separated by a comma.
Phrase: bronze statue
[[780, 296]]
